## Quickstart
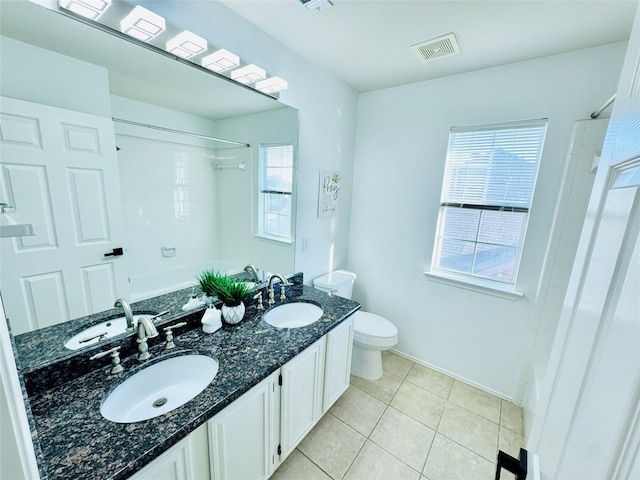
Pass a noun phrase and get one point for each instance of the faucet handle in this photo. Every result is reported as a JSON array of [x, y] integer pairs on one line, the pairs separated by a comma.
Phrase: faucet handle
[[286, 283], [99, 336], [169, 332], [115, 359], [258, 296], [159, 315]]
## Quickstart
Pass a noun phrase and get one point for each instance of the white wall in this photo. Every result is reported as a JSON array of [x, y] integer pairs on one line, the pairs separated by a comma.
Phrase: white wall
[[326, 131], [401, 145]]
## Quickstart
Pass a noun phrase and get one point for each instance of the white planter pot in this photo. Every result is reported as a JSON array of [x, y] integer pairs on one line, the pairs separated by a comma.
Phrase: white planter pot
[[233, 315]]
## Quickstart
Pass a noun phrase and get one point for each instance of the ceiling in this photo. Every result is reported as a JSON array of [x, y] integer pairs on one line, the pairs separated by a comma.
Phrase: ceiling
[[367, 44]]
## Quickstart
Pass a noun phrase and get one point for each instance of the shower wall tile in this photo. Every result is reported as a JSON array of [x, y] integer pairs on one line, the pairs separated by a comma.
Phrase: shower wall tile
[[587, 140]]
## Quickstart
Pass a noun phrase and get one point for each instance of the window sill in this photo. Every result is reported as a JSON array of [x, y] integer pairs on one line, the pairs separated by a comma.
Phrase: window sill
[[507, 292], [269, 238]]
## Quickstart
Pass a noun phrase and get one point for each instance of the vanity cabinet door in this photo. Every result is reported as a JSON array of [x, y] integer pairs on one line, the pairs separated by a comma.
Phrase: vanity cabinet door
[[337, 373], [301, 396], [186, 460], [241, 439]]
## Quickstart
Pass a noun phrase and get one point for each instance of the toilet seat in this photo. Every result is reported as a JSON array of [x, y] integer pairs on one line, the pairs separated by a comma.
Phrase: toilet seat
[[373, 330]]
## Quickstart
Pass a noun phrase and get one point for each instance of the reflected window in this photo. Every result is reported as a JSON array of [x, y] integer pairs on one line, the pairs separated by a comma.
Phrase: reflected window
[[489, 178], [275, 184]]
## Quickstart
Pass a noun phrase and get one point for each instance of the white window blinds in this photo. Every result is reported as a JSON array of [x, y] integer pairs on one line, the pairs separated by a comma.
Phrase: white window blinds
[[489, 178], [275, 188], [494, 165]]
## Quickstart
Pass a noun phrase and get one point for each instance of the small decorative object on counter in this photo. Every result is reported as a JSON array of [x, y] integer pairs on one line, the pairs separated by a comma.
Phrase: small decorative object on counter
[[211, 320], [194, 302], [227, 289]]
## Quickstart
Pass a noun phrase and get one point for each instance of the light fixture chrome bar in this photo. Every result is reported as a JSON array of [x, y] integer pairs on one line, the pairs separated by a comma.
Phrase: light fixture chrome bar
[[597, 113], [180, 132], [116, 33]]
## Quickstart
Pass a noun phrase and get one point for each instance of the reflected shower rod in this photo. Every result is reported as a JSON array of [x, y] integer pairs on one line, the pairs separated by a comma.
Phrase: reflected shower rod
[[181, 132]]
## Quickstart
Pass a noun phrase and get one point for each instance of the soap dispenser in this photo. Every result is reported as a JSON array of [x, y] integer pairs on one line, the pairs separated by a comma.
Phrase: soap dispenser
[[194, 302], [212, 318]]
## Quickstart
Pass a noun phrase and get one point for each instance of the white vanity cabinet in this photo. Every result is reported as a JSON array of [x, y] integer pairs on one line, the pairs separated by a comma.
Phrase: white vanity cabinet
[[186, 460], [241, 437], [252, 436], [337, 366], [301, 396]]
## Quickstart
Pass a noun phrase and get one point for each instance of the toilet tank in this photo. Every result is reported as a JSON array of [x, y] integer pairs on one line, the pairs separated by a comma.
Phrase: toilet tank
[[338, 282]]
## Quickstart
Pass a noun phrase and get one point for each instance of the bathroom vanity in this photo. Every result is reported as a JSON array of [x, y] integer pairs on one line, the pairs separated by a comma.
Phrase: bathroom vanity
[[272, 387]]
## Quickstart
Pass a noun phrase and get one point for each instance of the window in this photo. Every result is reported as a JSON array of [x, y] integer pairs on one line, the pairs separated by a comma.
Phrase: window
[[275, 181], [489, 177]]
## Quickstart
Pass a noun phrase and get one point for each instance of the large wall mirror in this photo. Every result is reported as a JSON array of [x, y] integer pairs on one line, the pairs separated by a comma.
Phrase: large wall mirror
[[180, 203]]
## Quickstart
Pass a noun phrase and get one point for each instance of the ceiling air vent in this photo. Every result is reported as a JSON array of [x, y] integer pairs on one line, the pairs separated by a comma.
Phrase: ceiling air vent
[[436, 48], [314, 6]]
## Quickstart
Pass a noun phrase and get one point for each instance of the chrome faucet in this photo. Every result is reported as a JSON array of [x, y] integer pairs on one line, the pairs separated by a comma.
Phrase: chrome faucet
[[128, 314], [146, 330], [283, 283], [254, 271]]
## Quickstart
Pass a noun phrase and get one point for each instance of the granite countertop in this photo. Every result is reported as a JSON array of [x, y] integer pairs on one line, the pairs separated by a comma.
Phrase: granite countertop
[[77, 442]]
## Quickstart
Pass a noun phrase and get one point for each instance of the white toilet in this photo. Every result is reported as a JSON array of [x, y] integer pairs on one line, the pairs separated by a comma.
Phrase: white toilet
[[371, 333]]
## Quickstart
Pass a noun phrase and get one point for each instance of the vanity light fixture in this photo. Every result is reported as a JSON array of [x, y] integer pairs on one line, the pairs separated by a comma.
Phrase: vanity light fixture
[[91, 9], [272, 85], [248, 74], [221, 60], [187, 44], [143, 24]]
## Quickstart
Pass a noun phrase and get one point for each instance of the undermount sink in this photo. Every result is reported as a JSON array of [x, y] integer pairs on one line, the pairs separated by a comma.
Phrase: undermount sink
[[159, 388], [111, 328], [293, 315]]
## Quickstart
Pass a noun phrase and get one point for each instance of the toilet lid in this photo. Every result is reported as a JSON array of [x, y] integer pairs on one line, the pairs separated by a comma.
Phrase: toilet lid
[[366, 323]]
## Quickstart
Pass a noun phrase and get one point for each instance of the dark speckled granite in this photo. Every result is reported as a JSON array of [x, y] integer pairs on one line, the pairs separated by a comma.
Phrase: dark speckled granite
[[77, 442]]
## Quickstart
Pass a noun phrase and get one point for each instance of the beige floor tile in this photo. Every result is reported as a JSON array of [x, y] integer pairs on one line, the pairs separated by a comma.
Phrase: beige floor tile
[[419, 404], [476, 400], [470, 430], [510, 442], [396, 364], [431, 380], [332, 445], [383, 389], [511, 417], [450, 461], [359, 410], [403, 437], [296, 467], [374, 463]]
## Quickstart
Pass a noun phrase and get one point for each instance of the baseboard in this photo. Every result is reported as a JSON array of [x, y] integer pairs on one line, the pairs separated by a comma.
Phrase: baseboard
[[454, 375]]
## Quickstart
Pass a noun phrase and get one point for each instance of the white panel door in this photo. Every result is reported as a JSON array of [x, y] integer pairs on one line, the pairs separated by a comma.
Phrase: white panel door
[[241, 436], [174, 464], [301, 396], [337, 369], [59, 171]]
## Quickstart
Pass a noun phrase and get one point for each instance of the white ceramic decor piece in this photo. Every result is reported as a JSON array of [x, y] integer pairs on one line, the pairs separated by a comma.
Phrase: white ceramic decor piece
[[233, 315]]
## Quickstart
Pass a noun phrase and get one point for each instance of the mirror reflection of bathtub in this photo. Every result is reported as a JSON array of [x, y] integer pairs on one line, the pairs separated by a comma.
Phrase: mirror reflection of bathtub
[[179, 212]]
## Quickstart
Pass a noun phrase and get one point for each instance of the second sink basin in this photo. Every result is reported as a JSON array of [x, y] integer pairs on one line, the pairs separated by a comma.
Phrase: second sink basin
[[159, 388], [293, 315]]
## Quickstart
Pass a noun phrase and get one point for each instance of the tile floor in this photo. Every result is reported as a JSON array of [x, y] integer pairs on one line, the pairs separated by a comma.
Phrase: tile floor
[[415, 424]]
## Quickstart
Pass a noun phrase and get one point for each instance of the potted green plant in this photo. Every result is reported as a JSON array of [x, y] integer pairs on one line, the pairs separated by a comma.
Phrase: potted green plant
[[228, 290]]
